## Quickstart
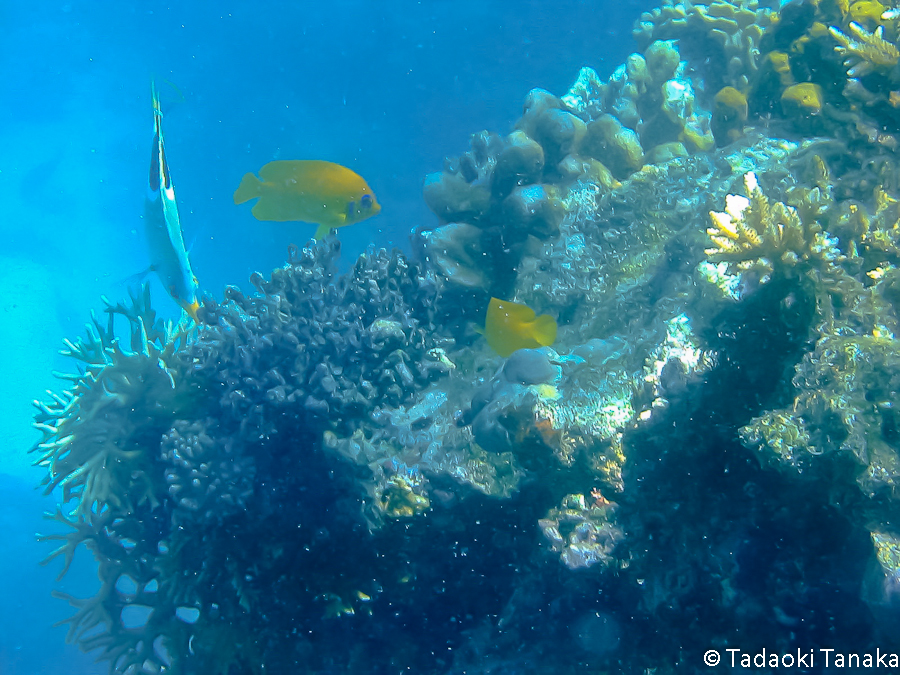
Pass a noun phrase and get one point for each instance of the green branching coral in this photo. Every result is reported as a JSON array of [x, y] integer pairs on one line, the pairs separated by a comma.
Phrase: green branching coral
[[865, 52], [754, 233], [92, 445]]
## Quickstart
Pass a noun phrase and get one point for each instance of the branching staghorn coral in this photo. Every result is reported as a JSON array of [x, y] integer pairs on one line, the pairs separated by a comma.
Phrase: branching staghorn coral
[[865, 52], [92, 434], [756, 234]]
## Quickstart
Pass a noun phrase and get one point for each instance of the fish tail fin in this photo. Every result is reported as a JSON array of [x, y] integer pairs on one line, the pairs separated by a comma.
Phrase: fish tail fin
[[159, 176], [248, 189], [154, 95], [545, 330], [322, 232], [157, 108], [191, 308]]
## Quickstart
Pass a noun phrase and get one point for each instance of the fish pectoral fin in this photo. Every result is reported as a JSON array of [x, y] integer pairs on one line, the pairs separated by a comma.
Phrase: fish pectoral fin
[[248, 189], [322, 232], [137, 279]]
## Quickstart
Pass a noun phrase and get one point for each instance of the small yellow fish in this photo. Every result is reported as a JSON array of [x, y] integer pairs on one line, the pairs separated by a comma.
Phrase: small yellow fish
[[510, 326], [313, 191]]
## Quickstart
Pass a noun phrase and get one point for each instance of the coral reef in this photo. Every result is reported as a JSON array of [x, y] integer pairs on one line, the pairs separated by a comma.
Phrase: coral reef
[[223, 412], [581, 533], [507, 194], [335, 473], [723, 36], [844, 385], [91, 447]]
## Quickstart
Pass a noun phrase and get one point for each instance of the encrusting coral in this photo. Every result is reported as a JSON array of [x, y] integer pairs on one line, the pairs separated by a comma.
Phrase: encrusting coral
[[581, 533]]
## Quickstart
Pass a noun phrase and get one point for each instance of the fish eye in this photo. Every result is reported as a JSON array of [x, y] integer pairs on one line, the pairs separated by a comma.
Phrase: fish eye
[[366, 201]]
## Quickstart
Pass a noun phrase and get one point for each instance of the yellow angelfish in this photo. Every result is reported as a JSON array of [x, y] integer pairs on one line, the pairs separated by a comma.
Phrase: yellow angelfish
[[510, 326], [313, 191]]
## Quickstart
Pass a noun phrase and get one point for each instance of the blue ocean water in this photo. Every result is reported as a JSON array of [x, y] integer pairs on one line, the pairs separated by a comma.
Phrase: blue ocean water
[[388, 89]]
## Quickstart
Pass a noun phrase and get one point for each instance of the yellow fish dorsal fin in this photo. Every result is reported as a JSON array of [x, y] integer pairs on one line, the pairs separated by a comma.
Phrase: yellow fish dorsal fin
[[248, 189], [510, 326], [281, 170]]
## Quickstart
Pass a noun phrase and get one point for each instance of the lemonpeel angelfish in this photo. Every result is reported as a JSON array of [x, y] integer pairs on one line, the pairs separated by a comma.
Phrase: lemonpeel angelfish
[[510, 326], [313, 191]]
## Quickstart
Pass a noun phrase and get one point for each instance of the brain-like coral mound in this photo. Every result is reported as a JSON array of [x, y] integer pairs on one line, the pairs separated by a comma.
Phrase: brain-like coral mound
[[204, 472]]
